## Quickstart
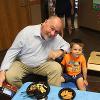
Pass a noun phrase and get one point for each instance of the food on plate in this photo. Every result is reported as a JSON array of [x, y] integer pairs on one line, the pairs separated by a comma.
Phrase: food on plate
[[66, 94], [40, 87]]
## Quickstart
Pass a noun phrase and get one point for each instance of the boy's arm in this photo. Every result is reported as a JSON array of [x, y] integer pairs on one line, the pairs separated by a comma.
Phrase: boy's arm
[[84, 70]]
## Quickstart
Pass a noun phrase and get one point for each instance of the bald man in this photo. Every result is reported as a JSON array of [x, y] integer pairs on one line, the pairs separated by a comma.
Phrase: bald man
[[34, 50]]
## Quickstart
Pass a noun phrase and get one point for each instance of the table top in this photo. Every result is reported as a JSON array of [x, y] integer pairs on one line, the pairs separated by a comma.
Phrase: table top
[[53, 95], [94, 61]]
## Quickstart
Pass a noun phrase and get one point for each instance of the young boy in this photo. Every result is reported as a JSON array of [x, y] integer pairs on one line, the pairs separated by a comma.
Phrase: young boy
[[75, 65]]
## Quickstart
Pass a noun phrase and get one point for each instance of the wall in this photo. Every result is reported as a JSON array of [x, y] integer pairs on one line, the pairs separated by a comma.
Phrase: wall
[[87, 16]]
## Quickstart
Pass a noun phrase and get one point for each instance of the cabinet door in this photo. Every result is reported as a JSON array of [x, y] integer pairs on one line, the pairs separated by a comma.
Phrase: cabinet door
[[35, 11], [87, 16], [14, 15]]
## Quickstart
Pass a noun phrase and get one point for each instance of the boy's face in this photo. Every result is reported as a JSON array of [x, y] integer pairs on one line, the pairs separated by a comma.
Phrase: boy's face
[[76, 50]]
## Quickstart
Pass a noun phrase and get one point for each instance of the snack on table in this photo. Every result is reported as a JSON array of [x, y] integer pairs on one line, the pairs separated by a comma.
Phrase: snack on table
[[38, 89], [67, 94]]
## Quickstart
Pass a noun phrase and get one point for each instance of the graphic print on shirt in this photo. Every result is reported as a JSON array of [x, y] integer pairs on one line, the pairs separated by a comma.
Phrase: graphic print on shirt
[[73, 66]]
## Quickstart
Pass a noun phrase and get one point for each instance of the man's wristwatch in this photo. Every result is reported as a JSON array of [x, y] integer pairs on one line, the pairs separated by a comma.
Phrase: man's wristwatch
[[62, 50]]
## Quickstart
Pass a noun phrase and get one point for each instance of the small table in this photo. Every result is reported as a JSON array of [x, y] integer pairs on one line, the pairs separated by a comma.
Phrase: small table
[[53, 95], [94, 61]]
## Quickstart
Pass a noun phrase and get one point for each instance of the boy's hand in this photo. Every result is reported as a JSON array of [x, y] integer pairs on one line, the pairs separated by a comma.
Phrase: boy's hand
[[85, 82]]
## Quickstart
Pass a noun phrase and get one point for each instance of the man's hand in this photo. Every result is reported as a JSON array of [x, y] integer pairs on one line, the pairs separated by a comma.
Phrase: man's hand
[[2, 77], [54, 54]]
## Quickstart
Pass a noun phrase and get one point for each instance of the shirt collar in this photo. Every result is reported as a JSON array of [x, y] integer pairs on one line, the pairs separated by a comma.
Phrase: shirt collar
[[37, 30]]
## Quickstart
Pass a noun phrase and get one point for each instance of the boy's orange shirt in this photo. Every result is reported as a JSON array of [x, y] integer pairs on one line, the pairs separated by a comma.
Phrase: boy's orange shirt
[[73, 65]]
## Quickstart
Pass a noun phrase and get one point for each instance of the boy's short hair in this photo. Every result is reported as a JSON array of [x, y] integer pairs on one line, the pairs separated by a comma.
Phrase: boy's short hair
[[76, 41]]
